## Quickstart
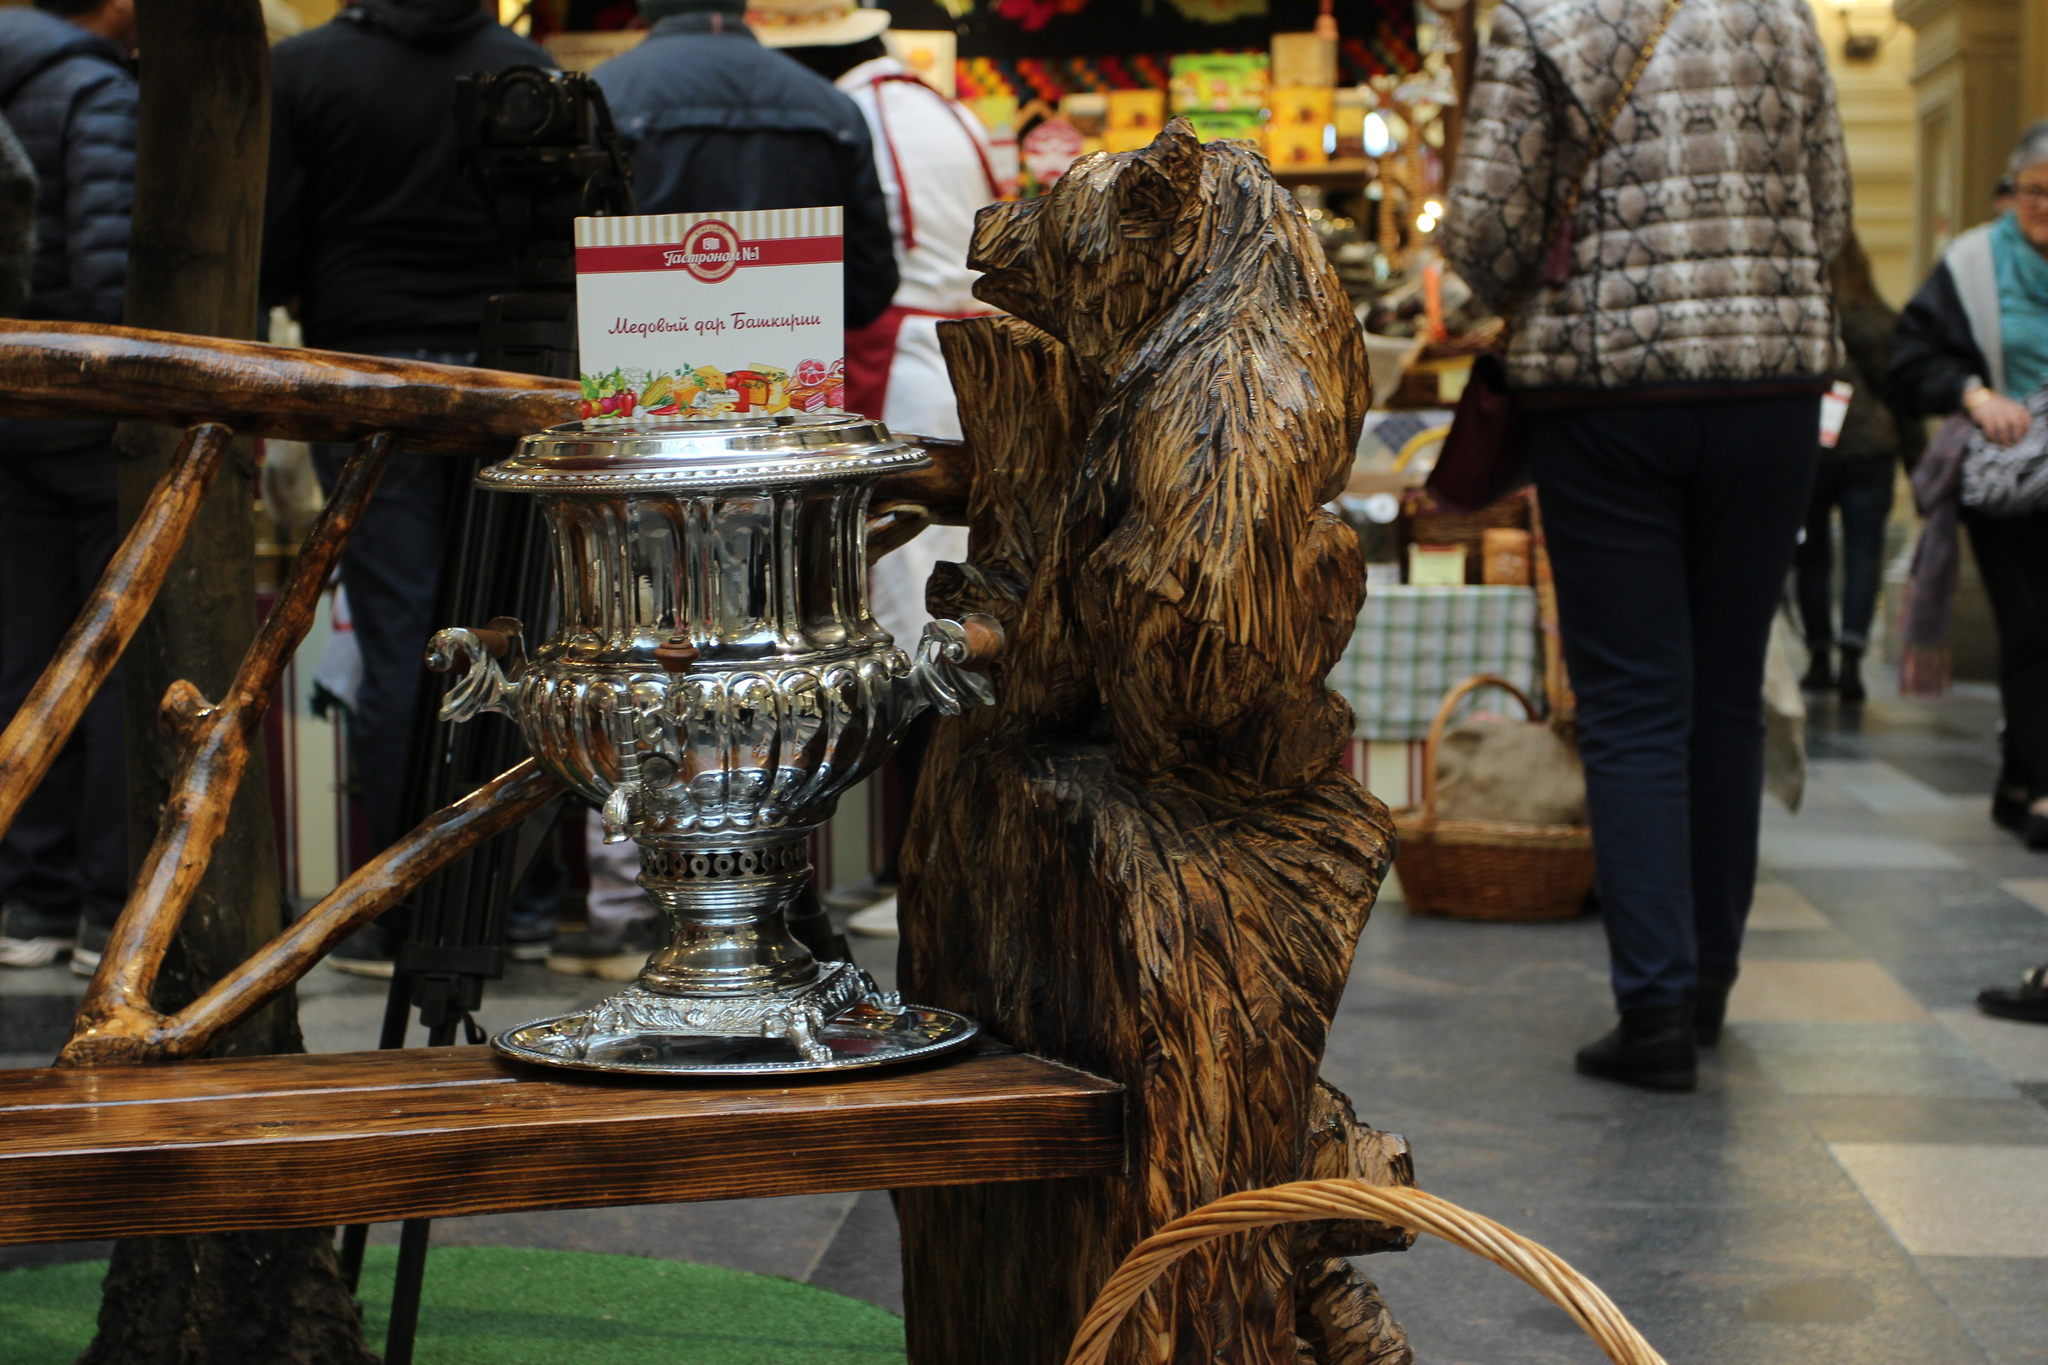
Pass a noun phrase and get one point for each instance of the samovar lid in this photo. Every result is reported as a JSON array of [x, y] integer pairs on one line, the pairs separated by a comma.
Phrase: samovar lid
[[625, 457]]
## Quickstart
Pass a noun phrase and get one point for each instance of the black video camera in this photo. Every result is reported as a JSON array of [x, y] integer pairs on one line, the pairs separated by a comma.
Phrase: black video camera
[[542, 146]]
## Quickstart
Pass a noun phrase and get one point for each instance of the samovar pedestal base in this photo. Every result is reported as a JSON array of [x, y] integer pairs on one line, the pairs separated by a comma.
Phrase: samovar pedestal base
[[836, 1022]]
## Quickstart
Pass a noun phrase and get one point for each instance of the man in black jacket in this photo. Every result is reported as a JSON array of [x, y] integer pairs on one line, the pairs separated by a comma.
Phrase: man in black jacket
[[717, 122], [67, 91], [384, 245]]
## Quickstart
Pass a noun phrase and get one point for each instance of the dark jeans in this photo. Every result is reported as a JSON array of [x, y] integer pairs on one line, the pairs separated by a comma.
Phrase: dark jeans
[[391, 568], [1863, 490], [1670, 530], [67, 852], [2012, 558]]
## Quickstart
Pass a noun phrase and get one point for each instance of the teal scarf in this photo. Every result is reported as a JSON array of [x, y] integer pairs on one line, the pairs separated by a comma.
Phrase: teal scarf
[[2022, 307]]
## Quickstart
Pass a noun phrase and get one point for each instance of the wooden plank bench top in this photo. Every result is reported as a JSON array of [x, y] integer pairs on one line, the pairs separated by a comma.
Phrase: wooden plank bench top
[[354, 1137]]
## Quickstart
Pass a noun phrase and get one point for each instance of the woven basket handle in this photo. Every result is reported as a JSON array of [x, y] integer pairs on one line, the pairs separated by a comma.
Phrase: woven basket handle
[[1310, 1200], [1443, 718]]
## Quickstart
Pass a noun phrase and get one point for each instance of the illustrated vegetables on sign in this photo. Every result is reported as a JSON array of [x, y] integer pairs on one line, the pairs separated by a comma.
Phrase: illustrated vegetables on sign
[[607, 395], [659, 397], [707, 391]]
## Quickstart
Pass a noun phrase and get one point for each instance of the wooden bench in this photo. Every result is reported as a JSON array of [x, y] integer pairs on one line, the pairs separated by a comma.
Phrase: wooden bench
[[356, 1137]]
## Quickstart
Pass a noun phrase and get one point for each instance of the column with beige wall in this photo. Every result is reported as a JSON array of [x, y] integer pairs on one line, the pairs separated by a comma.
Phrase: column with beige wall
[[1876, 98], [1967, 79]]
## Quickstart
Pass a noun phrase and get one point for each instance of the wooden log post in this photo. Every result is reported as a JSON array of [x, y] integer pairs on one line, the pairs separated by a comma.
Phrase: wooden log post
[[201, 156], [1148, 858]]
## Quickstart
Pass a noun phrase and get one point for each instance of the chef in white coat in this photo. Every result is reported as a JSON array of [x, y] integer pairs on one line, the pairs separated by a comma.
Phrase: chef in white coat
[[933, 159]]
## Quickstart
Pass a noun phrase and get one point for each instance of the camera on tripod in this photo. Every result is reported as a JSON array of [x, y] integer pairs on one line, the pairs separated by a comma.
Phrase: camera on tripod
[[543, 147]]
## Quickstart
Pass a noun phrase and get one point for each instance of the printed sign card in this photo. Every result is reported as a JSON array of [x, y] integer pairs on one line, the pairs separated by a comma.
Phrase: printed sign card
[[683, 315]]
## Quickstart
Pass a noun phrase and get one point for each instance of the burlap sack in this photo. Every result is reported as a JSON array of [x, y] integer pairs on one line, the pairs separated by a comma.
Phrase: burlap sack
[[1510, 771]]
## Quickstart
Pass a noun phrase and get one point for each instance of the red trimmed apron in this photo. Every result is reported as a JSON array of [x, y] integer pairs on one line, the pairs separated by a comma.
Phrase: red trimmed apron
[[871, 350]]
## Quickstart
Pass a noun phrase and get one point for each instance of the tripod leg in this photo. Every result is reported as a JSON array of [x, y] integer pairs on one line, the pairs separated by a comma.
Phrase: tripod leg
[[353, 1239], [405, 1291]]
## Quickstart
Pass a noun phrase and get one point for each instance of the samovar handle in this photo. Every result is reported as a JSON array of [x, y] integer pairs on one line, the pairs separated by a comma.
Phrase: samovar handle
[[485, 685], [949, 655]]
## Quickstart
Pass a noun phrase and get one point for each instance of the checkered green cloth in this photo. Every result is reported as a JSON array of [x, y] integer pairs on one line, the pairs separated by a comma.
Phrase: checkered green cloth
[[1412, 645]]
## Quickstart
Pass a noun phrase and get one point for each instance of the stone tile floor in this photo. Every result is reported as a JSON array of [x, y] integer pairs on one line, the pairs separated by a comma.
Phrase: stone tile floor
[[1862, 1176]]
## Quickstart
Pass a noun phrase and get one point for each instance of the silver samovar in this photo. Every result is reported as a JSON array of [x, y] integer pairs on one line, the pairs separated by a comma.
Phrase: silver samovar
[[716, 682]]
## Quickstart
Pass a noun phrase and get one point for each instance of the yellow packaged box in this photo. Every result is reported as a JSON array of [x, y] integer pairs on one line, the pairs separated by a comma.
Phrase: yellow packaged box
[[1298, 145], [1134, 119], [1301, 106]]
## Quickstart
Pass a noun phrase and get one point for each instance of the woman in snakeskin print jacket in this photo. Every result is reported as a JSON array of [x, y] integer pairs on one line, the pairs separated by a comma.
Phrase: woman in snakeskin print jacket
[[1673, 341]]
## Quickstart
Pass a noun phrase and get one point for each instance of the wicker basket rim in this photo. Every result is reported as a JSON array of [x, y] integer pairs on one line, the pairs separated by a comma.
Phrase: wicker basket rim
[[1418, 820]]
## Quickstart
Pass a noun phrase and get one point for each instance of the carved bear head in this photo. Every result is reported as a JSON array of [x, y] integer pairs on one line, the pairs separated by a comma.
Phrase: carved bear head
[[1095, 260]]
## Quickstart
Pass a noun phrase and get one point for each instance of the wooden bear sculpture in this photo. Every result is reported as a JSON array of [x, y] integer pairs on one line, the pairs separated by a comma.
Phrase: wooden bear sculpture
[[1148, 859]]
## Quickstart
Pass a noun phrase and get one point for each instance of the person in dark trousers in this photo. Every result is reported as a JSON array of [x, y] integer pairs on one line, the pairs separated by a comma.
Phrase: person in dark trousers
[[68, 91], [1974, 340], [715, 121], [1673, 341], [1856, 475], [382, 244]]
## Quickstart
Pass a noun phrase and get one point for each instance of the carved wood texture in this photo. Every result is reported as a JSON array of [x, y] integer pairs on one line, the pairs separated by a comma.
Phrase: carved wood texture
[[1148, 860]]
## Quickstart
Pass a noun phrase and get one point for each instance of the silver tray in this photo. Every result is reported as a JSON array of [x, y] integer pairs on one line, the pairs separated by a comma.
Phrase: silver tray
[[862, 1037]]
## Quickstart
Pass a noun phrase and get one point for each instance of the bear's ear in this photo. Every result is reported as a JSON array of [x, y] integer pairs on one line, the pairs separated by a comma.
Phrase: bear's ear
[[1160, 181]]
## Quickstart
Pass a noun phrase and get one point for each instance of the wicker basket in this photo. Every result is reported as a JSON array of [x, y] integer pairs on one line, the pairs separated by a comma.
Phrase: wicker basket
[[1314, 1200], [1487, 869]]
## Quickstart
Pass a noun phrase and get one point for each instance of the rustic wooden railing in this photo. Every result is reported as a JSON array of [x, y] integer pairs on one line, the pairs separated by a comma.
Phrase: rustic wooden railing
[[218, 390]]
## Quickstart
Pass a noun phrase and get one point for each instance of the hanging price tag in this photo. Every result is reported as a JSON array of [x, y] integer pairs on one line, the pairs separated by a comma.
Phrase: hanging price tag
[[1834, 410]]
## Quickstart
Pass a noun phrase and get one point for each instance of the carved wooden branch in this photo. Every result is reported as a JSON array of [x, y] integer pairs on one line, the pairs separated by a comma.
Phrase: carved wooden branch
[[56, 369], [218, 739], [108, 620], [370, 890], [938, 491], [62, 369]]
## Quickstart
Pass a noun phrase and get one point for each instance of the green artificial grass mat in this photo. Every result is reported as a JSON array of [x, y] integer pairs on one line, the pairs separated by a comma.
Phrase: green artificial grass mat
[[518, 1306]]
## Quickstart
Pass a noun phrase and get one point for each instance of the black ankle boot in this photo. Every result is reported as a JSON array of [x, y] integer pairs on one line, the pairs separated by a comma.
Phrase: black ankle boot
[[1820, 674], [1849, 677], [1651, 1048], [1710, 1008], [2009, 808]]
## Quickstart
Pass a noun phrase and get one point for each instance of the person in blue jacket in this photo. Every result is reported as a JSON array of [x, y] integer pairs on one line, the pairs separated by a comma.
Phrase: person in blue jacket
[[68, 91]]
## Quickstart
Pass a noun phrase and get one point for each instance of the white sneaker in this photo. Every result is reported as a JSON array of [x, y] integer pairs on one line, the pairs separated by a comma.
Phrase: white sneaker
[[85, 953], [32, 952], [877, 921]]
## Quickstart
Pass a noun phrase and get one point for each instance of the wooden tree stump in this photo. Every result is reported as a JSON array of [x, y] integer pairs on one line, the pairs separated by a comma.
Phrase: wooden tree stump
[[1148, 858]]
